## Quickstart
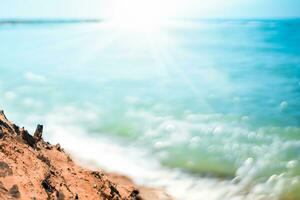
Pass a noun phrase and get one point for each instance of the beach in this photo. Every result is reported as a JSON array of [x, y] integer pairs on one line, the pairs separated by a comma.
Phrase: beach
[[31, 168]]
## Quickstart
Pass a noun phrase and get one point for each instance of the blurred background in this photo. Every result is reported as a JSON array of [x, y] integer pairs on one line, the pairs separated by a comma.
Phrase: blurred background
[[200, 98]]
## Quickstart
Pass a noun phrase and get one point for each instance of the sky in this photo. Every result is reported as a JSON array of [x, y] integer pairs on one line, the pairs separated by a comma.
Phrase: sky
[[165, 8]]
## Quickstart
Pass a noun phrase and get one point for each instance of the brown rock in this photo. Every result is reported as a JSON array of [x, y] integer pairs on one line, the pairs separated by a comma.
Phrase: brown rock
[[35, 167], [14, 191], [16, 129], [38, 132], [58, 148], [27, 138], [3, 190], [5, 170], [1, 133], [60, 195]]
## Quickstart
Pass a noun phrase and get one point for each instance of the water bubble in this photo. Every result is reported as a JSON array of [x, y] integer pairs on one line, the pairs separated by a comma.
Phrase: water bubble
[[161, 144], [218, 130], [170, 127], [259, 189], [195, 139], [249, 161], [292, 164], [158, 144], [284, 105], [281, 175], [236, 180], [272, 179]]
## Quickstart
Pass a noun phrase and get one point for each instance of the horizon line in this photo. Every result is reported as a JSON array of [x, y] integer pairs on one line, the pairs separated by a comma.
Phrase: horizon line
[[97, 20]]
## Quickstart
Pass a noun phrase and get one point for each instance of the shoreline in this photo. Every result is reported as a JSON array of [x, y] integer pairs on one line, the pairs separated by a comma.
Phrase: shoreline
[[31, 168]]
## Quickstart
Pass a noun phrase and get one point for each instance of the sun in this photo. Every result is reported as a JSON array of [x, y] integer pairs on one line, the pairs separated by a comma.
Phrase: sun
[[142, 15]]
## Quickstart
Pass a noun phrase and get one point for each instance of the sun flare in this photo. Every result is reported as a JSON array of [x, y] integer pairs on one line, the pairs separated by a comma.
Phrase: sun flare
[[138, 14]]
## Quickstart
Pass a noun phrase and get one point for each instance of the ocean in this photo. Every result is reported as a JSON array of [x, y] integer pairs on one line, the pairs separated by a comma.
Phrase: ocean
[[207, 109]]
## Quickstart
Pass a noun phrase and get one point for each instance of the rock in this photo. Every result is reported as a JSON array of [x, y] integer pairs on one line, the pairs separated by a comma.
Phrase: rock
[[1, 133], [16, 129], [3, 190], [4, 125], [44, 159], [2, 113], [47, 146], [60, 195], [14, 191], [39, 170], [27, 138], [5, 170], [47, 186], [57, 146], [38, 132], [114, 191], [97, 175], [134, 194]]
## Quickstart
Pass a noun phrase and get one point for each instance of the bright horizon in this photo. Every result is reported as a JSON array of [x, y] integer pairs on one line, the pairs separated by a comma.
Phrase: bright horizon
[[194, 99], [149, 9]]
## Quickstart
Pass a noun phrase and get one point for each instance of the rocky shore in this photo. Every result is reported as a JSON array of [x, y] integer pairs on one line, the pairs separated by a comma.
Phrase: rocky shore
[[31, 168]]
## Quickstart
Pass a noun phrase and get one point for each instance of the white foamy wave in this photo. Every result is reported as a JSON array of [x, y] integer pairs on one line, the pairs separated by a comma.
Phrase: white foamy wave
[[135, 163], [139, 164]]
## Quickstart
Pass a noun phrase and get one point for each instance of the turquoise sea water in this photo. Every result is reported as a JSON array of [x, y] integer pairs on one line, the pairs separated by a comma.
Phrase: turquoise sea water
[[215, 102]]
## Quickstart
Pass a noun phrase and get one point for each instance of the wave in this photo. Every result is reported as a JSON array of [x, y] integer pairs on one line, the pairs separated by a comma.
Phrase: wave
[[188, 166]]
